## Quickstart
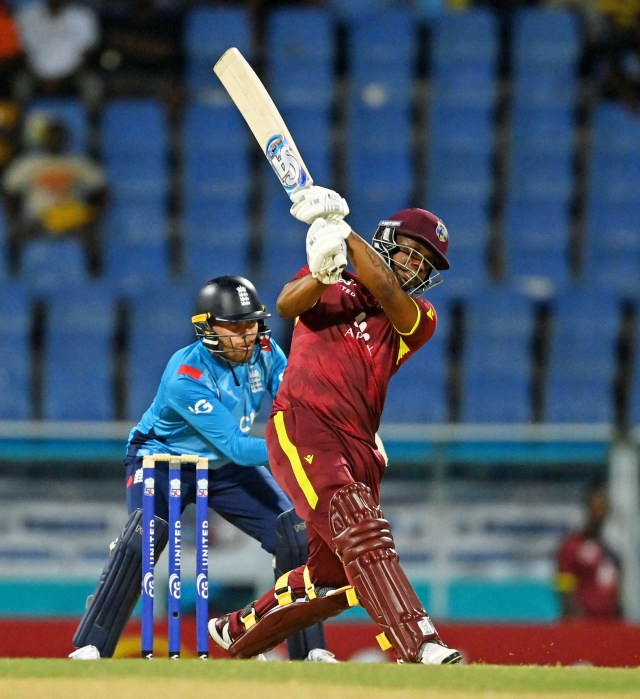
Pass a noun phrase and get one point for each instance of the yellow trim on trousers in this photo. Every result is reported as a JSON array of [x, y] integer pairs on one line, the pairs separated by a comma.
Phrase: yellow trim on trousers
[[294, 459]]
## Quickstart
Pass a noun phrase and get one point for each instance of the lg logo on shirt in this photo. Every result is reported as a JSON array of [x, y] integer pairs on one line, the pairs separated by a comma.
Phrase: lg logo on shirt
[[202, 406]]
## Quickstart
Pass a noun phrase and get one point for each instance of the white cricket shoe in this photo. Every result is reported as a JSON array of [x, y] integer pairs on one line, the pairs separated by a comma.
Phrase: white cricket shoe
[[218, 628], [320, 655], [435, 654], [85, 653]]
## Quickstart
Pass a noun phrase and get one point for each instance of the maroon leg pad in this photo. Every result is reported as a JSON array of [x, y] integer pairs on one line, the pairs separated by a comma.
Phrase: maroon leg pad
[[279, 623], [364, 541]]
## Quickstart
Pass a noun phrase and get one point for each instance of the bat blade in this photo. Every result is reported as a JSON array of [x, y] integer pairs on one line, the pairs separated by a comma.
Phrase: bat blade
[[263, 118]]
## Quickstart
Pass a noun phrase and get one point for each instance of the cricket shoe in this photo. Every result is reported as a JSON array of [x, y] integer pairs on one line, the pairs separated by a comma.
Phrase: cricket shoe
[[85, 653], [433, 653], [218, 629], [320, 655]]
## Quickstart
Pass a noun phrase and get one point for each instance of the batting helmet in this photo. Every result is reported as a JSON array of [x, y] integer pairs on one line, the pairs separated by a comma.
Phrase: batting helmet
[[425, 228], [227, 299]]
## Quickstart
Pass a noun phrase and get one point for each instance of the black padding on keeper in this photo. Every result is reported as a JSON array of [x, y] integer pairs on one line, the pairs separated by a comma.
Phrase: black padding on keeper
[[292, 550], [118, 588]]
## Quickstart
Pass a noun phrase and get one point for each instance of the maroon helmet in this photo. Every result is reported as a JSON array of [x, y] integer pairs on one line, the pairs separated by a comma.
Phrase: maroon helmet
[[423, 227]]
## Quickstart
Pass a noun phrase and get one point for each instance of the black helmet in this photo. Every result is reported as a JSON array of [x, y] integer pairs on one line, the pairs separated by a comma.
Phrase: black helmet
[[225, 300]]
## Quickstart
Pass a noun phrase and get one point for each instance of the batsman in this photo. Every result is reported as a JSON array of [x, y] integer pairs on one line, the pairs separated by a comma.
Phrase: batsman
[[354, 330], [205, 404]]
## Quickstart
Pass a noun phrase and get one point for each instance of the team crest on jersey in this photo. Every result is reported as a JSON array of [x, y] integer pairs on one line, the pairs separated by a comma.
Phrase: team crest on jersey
[[255, 380], [442, 232]]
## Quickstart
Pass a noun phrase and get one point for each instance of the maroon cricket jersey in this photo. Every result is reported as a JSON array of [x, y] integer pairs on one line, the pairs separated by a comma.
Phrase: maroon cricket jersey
[[343, 353]]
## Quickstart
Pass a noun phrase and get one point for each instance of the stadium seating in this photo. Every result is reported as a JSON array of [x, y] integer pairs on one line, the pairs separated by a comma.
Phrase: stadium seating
[[378, 161], [497, 361], [208, 33], [612, 228], [159, 323], [300, 50], [135, 141], [463, 58], [78, 376], [581, 363], [546, 47], [47, 263], [15, 348]]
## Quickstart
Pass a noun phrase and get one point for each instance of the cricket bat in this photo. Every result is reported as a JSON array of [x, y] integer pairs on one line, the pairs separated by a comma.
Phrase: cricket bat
[[263, 118]]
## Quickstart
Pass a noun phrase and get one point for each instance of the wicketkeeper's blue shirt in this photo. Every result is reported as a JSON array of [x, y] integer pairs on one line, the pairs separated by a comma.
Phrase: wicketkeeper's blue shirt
[[205, 408]]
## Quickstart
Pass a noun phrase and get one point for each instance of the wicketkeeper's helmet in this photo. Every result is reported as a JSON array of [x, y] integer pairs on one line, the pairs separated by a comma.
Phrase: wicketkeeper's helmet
[[226, 300], [423, 227]]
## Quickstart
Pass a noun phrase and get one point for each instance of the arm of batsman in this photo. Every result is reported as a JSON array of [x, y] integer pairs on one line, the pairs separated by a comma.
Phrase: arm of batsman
[[317, 202]]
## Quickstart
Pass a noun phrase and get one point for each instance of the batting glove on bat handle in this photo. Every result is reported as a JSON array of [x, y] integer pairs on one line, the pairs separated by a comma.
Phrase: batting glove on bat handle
[[316, 202], [327, 250]]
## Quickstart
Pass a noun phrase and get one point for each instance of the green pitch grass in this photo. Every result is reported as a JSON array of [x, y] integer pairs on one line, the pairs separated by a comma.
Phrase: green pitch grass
[[249, 679]]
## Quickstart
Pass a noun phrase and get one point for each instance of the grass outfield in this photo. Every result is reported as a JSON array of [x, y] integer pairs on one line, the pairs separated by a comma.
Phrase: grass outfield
[[196, 679]]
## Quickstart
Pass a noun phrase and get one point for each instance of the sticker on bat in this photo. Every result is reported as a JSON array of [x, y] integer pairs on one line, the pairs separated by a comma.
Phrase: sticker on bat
[[285, 164]]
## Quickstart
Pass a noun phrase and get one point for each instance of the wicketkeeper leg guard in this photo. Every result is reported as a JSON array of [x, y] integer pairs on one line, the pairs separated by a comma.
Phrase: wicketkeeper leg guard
[[364, 542], [118, 589], [292, 550]]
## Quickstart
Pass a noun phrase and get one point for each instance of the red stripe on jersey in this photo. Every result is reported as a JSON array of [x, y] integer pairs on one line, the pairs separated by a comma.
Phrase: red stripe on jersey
[[190, 371]]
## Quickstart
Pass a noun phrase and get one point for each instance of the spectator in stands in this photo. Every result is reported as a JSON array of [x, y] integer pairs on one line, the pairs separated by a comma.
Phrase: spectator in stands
[[618, 68], [51, 192], [142, 50], [611, 55], [588, 572], [60, 39]]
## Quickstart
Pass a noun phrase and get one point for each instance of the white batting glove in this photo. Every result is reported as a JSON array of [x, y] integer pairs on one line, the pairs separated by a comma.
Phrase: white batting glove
[[317, 202], [327, 250]]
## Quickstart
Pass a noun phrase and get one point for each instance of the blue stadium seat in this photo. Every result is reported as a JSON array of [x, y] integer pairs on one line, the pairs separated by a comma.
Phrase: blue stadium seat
[[47, 263], [283, 237], [537, 240], [216, 237], [379, 115], [497, 364], [15, 349], [546, 47], [159, 324], [215, 144], [78, 377], [136, 242], [612, 227], [72, 112], [612, 247], [300, 50], [581, 363], [463, 58], [134, 137], [208, 33]]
